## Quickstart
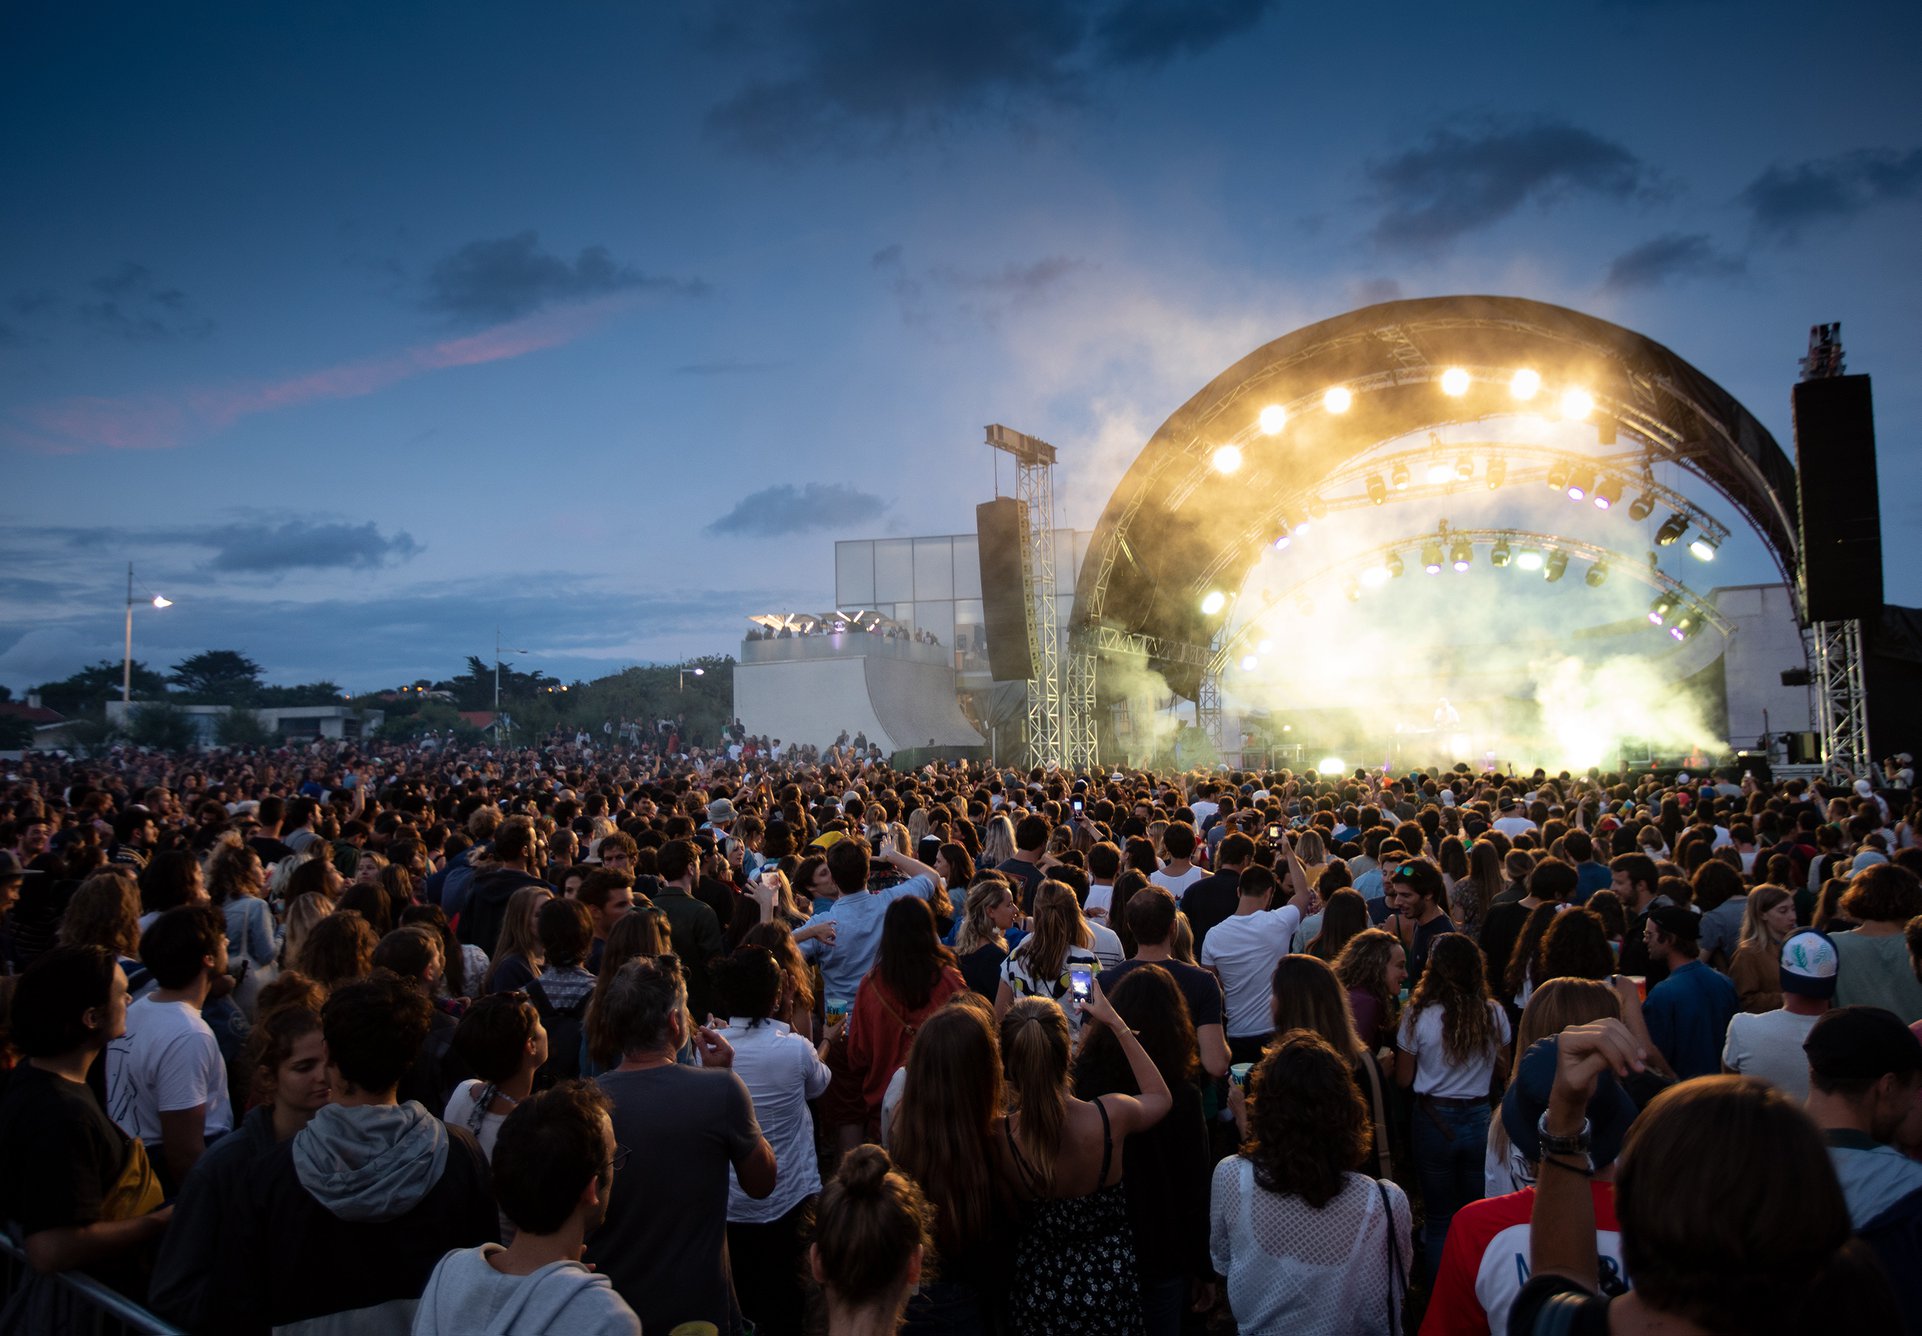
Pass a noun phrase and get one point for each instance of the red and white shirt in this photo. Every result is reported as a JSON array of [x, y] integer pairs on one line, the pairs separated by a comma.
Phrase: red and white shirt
[[1485, 1263]]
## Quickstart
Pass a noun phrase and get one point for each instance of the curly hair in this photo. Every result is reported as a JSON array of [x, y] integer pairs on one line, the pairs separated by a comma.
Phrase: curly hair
[[1575, 947], [1363, 965], [1456, 982], [1307, 1125]]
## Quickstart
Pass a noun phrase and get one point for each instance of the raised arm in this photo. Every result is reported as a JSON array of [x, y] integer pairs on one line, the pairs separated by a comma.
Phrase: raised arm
[[1562, 1224], [1154, 1101]]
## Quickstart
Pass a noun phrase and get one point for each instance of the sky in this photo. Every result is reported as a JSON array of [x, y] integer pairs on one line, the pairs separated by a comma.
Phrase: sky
[[366, 330]]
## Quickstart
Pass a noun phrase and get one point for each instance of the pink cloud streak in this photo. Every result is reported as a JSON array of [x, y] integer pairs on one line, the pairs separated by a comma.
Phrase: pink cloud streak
[[164, 422]]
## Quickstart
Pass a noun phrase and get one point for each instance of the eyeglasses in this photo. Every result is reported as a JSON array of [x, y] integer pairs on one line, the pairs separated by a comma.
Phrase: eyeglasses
[[620, 1156]]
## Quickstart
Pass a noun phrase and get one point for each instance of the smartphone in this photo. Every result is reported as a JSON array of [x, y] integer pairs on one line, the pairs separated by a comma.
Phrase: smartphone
[[1274, 832], [1080, 981]]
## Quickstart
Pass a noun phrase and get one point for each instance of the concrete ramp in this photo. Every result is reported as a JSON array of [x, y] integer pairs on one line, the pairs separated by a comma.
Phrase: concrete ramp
[[809, 692], [916, 705]]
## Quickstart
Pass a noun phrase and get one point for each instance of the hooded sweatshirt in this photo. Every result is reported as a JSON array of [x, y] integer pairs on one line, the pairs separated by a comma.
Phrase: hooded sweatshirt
[[467, 1297], [486, 907], [350, 1216]]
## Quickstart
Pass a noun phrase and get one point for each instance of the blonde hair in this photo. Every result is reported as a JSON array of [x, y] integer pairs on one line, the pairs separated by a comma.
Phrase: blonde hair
[[1761, 901], [1058, 926], [977, 929], [302, 915], [519, 935]]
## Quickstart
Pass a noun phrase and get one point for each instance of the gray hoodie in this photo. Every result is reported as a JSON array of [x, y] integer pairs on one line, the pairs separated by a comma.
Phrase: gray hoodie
[[373, 1162], [467, 1297]]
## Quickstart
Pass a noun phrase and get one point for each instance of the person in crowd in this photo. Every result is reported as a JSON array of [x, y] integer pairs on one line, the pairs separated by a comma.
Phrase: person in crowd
[[874, 1229], [1768, 917], [1451, 1040], [1165, 1167], [1305, 1239], [913, 975], [515, 960], [944, 1135], [367, 899], [1550, 882], [1061, 1156], [981, 944], [514, 859], [1153, 917], [1552, 1008], [688, 1126], [1688, 1012], [236, 883], [554, 1165], [1057, 949], [1104, 865], [105, 911], [502, 1041], [338, 950], [1420, 910], [643, 933], [1242, 951], [1873, 959], [562, 992], [1178, 872], [286, 1069], [1372, 967], [1711, 1244], [303, 912], [79, 1192], [1343, 917], [166, 1080], [1309, 997], [1722, 900], [369, 1178], [609, 894], [1768, 1045], [413, 954], [1636, 882]]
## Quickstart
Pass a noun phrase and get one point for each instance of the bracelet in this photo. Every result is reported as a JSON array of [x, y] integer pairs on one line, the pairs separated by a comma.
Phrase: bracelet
[[1551, 1144], [1586, 1168]]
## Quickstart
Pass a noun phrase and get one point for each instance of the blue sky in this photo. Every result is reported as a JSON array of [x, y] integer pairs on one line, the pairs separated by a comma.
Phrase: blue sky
[[362, 332]]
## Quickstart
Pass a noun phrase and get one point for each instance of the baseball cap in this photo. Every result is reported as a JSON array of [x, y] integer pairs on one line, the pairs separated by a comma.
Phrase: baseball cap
[[1808, 964], [1676, 921], [1610, 1108], [1861, 1044]]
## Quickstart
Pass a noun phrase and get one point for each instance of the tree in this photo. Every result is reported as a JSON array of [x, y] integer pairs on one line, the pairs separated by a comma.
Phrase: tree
[[163, 727], [218, 677], [90, 737], [88, 690], [241, 728], [322, 692]]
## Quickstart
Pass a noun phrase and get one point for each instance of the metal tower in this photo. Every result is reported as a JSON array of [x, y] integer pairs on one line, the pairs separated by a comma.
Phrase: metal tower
[[1034, 489]]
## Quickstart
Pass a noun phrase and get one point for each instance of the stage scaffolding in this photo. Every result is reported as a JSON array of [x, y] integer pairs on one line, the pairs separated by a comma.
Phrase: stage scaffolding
[[1034, 489]]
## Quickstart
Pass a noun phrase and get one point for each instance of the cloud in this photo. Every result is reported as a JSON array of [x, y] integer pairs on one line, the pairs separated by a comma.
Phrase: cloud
[[511, 277], [1785, 200], [983, 294], [1668, 259], [865, 74], [271, 546], [787, 509], [161, 422], [1455, 181], [129, 304]]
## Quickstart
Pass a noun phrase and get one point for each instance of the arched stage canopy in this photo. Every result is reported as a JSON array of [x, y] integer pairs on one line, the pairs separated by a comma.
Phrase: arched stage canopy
[[1176, 526]]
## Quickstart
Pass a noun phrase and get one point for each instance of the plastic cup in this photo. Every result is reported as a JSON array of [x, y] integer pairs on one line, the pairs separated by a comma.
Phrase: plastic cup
[[1239, 1072]]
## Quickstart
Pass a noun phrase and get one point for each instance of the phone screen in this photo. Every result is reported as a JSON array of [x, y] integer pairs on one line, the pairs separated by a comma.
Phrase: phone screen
[[1274, 832], [1080, 980], [1077, 805]]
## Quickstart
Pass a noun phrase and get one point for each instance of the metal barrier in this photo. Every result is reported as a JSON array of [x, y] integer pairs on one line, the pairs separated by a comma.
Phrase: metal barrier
[[80, 1305]]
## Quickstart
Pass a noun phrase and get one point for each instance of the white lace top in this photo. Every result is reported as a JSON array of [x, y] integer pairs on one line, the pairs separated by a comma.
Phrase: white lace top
[[1307, 1272]]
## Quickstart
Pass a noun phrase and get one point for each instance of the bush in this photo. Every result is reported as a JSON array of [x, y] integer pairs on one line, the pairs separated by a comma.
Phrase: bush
[[162, 727], [241, 728]]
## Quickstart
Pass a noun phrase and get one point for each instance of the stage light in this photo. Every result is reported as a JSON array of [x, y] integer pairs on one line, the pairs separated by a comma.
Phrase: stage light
[[1607, 492], [1703, 548], [1597, 575], [1399, 477], [1462, 555], [1377, 489], [1282, 539], [1579, 483], [1465, 467], [1338, 399], [1658, 610], [1375, 576], [1353, 590], [1558, 474], [1431, 557], [1555, 567], [1641, 507], [1331, 765], [1686, 625], [1227, 459], [1672, 530], [1212, 602], [1497, 472], [1301, 528], [1248, 663], [1525, 384], [1393, 566], [1498, 555], [1528, 559], [1265, 647], [1272, 419], [1317, 508], [1577, 404], [1439, 472], [1454, 382]]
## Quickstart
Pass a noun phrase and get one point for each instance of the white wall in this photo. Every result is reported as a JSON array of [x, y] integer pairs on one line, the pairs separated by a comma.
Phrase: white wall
[[1766, 642]]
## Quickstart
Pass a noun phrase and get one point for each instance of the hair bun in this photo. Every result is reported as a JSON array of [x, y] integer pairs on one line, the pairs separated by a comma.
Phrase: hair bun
[[864, 1170]]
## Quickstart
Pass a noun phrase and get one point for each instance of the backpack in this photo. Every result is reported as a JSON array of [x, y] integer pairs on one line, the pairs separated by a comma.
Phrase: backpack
[[564, 1027]]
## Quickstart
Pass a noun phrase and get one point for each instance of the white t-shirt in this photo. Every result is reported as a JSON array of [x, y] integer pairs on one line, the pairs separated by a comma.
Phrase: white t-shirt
[[1203, 810], [1100, 896], [1242, 950], [461, 1108], [1435, 1072], [1177, 884], [1107, 946], [1512, 826], [165, 1062], [1768, 1045]]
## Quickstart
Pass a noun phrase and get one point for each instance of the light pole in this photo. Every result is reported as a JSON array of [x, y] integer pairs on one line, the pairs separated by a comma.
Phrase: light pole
[[685, 670], [126, 666], [497, 667]]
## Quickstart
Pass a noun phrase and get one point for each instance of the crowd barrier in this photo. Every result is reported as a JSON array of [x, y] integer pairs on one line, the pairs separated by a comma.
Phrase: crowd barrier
[[68, 1302]]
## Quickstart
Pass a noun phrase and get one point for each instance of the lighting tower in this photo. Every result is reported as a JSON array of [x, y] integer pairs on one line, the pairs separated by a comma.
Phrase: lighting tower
[[1048, 726]]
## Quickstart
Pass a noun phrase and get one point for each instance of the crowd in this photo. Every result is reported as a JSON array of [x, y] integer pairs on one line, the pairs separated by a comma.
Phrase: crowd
[[381, 1039]]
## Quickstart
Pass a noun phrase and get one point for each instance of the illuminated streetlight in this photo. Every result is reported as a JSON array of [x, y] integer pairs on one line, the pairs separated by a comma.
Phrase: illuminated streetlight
[[126, 666]]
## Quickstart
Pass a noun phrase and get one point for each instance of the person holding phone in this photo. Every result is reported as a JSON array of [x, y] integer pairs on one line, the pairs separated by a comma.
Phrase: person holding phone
[[1053, 958]]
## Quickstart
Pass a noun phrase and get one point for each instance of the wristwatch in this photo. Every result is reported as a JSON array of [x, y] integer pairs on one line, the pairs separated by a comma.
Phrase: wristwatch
[[1558, 1145]]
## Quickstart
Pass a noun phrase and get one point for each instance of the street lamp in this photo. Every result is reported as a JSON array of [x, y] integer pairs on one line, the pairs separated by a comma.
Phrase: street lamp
[[497, 667], [685, 670], [126, 666]]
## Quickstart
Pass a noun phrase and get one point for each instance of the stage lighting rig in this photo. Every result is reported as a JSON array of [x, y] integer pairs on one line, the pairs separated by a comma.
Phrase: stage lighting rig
[[1498, 555], [1431, 557], [1462, 555], [1641, 507], [1607, 492], [1400, 477], [1672, 530], [1659, 610], [1377, 490], [1597, 575], [1555, 567], [1703, 547]]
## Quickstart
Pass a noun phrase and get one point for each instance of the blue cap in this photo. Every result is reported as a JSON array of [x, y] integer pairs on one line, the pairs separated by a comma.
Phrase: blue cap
[[1610, 1110]]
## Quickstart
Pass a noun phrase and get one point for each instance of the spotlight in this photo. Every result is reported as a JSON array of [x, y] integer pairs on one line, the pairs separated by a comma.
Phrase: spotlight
[[1375, 577], [1558, 474], [1658, 610], [1672, 529], [1282, 539], [1597, 575], [1686, 625], [1525, 385], [1301, 528], [1462, 555], [1317, 508], [1439, 472], [1331, 765], [1339, 399], [1272, 419], [1212, 602], [1607, 492], [1393, 566], [1465, 467], [1497, 472], [1248, 663], [1498, 555], [1528, 559], [1431, 557], [1400, 477], [1377, 489], [1454, 382], [1641, 507], [1579, 483], [1227, 459], [1577, 404], [1353, 590], [1703, 548], [1555, 567], [1265, 647]]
